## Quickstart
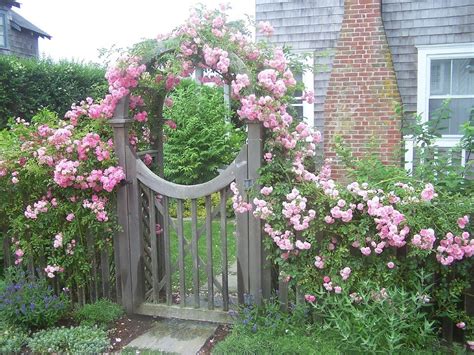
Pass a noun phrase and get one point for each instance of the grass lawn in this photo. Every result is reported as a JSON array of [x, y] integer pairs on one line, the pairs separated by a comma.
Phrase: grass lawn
[[216, 252]]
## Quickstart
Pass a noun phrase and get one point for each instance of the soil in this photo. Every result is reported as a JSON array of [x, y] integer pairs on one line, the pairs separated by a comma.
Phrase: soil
[[128, 328], [221, 332]]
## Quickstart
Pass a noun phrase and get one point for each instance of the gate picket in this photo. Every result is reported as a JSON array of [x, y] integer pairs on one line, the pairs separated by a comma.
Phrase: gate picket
[[180, 231], [154, 244], [210, 276], [195, 252], [225, 270], [166, 235]]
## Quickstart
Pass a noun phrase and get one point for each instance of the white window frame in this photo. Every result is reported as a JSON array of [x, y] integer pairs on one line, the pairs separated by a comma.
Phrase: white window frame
[[425, 55], [308, 82], [4, 18]]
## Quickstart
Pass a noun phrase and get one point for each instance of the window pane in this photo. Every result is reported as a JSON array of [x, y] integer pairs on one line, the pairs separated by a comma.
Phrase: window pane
[[299, 111], [463, 76], [440, 77], [2, 30], [460, 113], [299, 78]]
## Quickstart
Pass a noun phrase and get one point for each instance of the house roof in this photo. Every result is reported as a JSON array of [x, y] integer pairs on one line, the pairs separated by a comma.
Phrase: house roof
[[22, 22], [10, 3]]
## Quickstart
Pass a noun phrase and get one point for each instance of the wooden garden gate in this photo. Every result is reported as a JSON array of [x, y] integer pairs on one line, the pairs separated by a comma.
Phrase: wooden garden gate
[[151, 266]]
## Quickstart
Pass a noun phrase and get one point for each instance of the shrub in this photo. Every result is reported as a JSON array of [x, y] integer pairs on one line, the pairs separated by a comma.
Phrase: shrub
[[203, 141], [28, 85], [57, 182], [101, 313], [82, 339], [11, 339], [30, 303], [375, 318]]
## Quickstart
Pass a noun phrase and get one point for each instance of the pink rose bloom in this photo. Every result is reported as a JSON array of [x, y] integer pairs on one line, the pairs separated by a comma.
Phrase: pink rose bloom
[[428, 193], [70, 217], [463, 221], [310, 298], [266, 190], [326, 279], [329, 220], [171, 124], [365, 251], [265, 28], [470, 343], [461, 325], [390, 265], [147, 159], [337, 289], [141, 116], [168, 102]]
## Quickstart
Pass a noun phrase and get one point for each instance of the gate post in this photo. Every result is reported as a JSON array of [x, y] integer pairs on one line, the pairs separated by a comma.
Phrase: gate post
[[128, 244], [259, 266]]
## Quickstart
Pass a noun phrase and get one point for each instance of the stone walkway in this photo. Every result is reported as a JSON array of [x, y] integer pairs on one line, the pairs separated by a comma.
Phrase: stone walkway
[[174, 336]]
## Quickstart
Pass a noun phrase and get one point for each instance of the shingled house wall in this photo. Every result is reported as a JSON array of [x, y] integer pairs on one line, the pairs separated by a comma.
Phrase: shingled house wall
[[315, 26]]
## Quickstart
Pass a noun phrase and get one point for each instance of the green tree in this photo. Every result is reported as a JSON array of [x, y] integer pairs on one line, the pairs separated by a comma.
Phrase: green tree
[[204, 141]]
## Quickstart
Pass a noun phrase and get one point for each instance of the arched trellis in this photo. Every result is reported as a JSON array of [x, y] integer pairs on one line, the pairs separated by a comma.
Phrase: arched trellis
[[144, 261]]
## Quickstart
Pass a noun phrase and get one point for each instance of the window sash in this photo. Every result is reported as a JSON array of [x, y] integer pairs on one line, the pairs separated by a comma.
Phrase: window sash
[[434, 52], [307, 77], [3, 31]]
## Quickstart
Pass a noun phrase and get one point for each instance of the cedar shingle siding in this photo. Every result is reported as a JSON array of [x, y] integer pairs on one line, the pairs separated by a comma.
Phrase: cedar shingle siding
[[22, 35], [308, 26], [314, 25]]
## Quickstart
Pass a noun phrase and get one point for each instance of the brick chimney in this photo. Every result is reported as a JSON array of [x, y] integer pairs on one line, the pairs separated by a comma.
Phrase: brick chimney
[[362, 90]]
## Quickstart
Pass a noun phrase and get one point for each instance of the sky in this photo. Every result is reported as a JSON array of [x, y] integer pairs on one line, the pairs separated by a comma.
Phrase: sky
[[80, 27]]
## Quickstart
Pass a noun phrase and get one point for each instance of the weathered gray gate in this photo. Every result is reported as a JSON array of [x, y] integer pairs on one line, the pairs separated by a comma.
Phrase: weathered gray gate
[[144, 260]]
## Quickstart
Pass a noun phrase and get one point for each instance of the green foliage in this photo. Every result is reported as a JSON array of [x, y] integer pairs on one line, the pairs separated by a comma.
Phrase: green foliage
[[375, 319], [82, 339], [28, 85], [268, 330], [11, 339], [262, 342], [35, 236], [203, 141], [101, 313], [30, 303], [431, 164]]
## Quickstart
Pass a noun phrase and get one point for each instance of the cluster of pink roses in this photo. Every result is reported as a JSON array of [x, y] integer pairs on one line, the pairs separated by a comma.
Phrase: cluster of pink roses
[[454, 248]]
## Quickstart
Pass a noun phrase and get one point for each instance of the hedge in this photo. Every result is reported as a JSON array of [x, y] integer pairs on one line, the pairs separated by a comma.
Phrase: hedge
[[27, 85]]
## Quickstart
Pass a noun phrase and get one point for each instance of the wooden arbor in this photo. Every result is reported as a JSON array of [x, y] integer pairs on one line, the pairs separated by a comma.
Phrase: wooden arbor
[[144, 260]]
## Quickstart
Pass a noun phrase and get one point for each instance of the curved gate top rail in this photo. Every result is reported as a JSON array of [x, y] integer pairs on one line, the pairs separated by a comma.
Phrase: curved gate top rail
[[139, 248], [170, 189]]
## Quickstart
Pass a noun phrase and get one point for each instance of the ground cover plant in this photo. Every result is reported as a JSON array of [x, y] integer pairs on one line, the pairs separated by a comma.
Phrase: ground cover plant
[[12, 339], [81, 339], [101, 313]]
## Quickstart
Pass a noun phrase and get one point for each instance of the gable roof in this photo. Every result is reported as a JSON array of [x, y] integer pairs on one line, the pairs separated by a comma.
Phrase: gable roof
[[20, 22]]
